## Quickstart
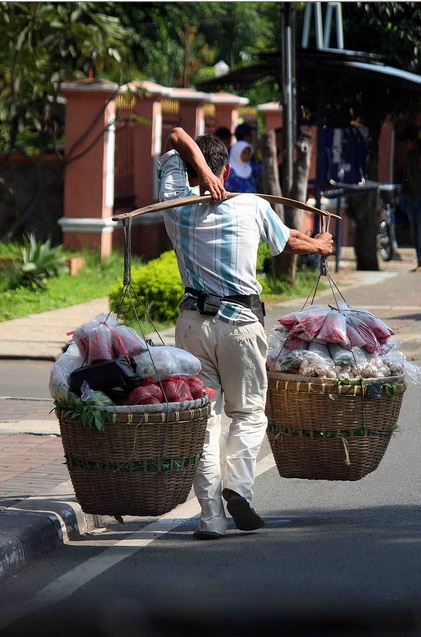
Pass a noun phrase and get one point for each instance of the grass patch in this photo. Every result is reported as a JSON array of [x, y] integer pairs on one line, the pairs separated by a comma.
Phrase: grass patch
[[99, 278], [92, 282]]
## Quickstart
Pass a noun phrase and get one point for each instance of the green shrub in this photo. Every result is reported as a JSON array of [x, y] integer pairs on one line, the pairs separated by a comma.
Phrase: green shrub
[[159, 288]]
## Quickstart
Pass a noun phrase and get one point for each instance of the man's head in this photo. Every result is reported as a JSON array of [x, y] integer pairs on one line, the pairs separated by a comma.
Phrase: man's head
[[224, 133], [244, 132], [215, 153]]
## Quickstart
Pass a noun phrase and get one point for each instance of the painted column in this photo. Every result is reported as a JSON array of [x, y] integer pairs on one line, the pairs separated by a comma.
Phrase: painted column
[[226, 109], [192, 117], [148, 232], [89, 157]]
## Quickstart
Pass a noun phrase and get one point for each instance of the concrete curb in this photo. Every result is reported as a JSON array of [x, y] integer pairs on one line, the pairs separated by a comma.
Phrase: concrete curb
[[40, 524]]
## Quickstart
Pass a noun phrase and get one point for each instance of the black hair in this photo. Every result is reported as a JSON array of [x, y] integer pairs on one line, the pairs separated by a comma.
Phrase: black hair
[[223, 133], [214, 151]]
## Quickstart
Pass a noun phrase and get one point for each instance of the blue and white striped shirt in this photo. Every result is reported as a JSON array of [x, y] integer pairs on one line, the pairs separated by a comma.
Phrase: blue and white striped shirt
[[216, 243]]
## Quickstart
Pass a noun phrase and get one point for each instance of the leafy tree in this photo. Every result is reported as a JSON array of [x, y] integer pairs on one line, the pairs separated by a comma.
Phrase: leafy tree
[[42, 45], [175, 41]]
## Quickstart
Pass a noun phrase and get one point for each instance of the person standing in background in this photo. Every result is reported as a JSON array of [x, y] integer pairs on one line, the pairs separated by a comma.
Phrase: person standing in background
[[224, 134], [411, 187], [244, 172]]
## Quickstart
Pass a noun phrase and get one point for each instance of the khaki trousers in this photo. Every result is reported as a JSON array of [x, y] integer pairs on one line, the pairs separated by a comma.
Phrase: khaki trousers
[[234, 365]]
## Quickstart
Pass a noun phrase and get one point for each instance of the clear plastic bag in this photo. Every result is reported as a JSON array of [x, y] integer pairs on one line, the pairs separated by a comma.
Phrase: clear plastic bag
[[333, 329], [61, 370], [163, 361], [127, 342]]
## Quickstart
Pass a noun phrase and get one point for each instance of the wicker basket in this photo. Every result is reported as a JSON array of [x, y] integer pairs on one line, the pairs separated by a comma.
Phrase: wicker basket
[[321, 430], [142, 464]]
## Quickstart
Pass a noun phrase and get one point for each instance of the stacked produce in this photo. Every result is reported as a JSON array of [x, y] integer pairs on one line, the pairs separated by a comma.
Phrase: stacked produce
[[110, 364], [334, 342]]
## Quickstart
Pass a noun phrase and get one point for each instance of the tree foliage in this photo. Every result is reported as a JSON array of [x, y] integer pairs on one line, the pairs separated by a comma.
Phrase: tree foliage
[[43, 44]]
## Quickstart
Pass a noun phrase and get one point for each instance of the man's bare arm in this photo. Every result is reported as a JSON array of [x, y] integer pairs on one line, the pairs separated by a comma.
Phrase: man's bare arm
[[190, 151], [300, 243]]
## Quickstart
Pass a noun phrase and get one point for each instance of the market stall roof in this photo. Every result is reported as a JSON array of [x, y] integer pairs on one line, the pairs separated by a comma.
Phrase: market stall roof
[[337, 61], [337, 74]]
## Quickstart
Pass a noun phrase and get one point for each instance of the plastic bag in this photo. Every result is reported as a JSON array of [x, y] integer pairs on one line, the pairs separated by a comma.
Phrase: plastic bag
[[322, 350], [196, 387], [127, 342], [100, 345], [371, 343], [176, 389], [289, 320], [82, 333], [94, 397], [148, 393], [61, 370], [316, 364], [333, 329], [163, 361], [355, 338], [378, 327], [313, 322]]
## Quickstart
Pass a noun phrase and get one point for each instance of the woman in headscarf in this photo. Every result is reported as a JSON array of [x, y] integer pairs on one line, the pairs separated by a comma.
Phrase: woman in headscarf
[[244, 172]]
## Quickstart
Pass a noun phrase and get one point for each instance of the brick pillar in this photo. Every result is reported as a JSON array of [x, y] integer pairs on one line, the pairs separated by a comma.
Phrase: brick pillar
[[192, 117], [89, 156], [226, 109]]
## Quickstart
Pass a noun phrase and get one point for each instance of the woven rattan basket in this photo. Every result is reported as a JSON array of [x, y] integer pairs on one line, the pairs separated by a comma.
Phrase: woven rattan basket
[[322, 430], [142, 464]]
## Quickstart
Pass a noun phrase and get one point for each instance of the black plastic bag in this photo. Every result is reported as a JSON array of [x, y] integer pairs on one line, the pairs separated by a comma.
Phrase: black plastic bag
[[118, 373]]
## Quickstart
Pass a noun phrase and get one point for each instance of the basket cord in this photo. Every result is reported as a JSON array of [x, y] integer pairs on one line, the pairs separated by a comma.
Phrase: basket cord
[[324, 271], [127, 291]]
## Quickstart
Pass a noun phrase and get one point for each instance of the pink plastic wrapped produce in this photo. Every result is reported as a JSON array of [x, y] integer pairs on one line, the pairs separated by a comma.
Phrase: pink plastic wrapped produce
[[355, 338], [127, 342], [148, 393], [196, 387], [295, 343], [371, 344], [297, 332], [289, 320], [176, 389], [313, 322], [100, 345], [333, 329], [379, 327]]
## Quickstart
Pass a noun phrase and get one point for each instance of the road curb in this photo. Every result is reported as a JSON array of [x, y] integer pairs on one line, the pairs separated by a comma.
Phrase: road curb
[[40, 524]]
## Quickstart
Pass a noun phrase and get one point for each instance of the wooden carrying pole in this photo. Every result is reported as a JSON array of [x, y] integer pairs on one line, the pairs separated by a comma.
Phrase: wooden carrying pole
[[184, 201]]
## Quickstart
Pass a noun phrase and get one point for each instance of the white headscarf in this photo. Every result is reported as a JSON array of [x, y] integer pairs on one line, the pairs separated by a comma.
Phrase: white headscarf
[[241, 168]]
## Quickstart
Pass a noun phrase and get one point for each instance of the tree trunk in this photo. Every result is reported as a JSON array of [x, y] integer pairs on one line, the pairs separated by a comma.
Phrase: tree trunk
[[270, 171], [364, 209], [285, 264]]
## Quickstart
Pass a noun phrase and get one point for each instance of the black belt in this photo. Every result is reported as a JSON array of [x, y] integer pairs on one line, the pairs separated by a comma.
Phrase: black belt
[[209, 303]]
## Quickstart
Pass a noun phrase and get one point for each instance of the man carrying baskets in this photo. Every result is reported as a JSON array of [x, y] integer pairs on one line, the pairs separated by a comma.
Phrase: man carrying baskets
[[221, 316]]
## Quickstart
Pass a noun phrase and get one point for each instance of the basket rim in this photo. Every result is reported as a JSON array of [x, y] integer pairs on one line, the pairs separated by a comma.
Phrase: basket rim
[[187, 405], [334, 382]]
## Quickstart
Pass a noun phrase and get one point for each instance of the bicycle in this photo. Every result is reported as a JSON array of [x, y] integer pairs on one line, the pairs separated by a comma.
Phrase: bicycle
[[386, 237]]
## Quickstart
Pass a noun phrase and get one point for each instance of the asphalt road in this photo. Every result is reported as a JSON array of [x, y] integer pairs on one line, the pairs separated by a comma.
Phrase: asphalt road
[[334, 558], [25, 378]]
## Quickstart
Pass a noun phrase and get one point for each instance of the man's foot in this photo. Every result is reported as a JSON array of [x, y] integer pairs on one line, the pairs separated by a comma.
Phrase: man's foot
[[245, 518], [206, 535]]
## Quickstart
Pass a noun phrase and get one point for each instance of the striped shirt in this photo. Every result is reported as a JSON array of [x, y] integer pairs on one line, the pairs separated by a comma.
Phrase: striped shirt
[[216, 243]]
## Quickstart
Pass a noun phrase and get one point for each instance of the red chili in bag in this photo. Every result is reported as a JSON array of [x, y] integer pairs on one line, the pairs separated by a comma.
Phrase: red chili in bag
[[176, 389], [148, 393], [196, 387]]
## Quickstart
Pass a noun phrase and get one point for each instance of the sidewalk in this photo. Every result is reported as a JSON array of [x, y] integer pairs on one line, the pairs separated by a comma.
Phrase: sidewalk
[[38, 510]]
